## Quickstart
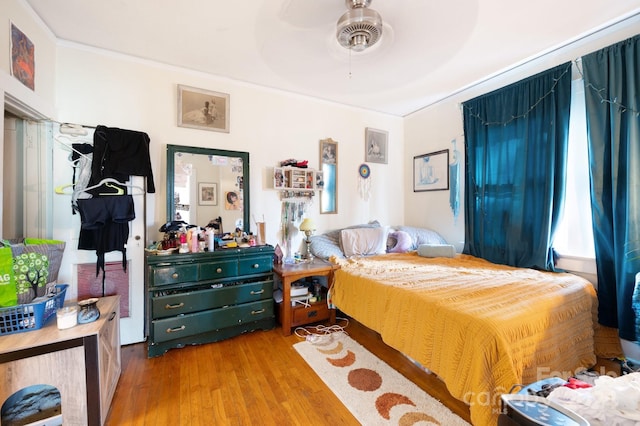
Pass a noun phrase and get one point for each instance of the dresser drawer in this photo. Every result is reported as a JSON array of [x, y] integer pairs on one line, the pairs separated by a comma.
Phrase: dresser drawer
[[255, 265], [316, 312], [219, 269], [173, 274], [202, 322], [195, 301]]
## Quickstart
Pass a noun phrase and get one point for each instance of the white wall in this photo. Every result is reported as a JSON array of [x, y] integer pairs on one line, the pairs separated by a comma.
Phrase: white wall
[[42, 98], [98, 87], [434, 127]]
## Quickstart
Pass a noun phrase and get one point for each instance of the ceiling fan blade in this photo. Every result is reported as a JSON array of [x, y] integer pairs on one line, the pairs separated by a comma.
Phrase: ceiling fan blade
[[310, 13]]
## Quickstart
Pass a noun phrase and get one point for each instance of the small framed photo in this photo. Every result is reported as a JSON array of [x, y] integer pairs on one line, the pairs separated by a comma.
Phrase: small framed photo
[[278, 178], [431, 171], [319, 180], [203, 109], [375, 145], [207, 194]]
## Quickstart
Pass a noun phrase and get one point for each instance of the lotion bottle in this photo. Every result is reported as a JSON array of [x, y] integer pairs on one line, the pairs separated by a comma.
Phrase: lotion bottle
[[211, 239], [194, 240], [184, 248]]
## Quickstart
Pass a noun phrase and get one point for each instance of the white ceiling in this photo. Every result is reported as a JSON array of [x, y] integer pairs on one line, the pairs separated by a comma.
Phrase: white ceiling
[[428, 49]]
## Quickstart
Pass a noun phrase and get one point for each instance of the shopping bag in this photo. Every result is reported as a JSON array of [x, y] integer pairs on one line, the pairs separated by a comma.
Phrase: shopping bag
[[8, 292], [31, 271], [53, 249]]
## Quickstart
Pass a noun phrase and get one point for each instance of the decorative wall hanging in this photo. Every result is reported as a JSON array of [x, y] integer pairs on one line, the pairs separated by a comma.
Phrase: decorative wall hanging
[[364, 182], [431, 171], [375, 148], [23, 65], [203, 109]]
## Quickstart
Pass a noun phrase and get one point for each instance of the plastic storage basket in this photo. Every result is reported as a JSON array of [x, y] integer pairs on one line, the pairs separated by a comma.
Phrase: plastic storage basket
[[31, 316]]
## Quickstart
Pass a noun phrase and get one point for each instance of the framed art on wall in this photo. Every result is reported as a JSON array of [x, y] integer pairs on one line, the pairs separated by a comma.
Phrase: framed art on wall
[[203, 109], [431, 171], [23, 65], [375, 145], [207, 194]]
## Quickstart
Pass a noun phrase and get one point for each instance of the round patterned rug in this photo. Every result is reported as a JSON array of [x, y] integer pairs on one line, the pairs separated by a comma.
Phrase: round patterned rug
[[374, 393]]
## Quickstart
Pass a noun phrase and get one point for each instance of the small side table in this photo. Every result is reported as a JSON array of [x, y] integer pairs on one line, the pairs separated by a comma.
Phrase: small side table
[[291, 316]]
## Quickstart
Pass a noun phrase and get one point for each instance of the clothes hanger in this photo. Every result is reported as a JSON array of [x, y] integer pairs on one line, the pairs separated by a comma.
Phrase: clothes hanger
[[69, 147], [109, 182], [119, 190]]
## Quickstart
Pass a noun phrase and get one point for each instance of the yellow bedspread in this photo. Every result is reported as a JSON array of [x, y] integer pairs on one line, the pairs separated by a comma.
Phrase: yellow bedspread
[[481, 327]]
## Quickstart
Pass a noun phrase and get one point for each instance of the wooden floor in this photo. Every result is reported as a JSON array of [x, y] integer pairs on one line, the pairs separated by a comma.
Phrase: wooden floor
[[253, 379]]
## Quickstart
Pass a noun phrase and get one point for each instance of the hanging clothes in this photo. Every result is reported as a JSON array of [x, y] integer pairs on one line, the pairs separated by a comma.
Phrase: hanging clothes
[[105, 226], [81, 158], [117, 155], [120, 153]]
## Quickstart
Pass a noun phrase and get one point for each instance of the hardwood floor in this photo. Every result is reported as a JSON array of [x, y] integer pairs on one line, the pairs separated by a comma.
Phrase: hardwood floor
[[253, 379]]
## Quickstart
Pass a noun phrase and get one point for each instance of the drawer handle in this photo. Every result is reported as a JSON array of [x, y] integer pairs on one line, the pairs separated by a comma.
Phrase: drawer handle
[[112, 316], [173, 330], [174, 275], [258, 312], [256, 266], [257, 292], [219, 270], [179, 305]]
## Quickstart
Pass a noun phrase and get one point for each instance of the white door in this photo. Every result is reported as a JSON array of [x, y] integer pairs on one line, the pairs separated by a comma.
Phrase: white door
[[67, 228]]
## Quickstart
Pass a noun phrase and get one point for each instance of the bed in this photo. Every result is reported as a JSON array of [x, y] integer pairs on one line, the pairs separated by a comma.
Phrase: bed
[[480, 327]]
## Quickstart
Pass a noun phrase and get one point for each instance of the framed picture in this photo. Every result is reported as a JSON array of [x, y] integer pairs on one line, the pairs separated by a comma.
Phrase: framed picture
[[23, 65], [203, 109], [207, 194], [431, 171], [375, 148], [278, 178]]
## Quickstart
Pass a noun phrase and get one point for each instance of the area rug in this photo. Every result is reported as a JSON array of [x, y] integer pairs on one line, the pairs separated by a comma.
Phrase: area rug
[[374, 393]]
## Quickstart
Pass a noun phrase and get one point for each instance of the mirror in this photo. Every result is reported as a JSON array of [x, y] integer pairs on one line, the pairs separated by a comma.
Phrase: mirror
[[329, 165], [208, 186]]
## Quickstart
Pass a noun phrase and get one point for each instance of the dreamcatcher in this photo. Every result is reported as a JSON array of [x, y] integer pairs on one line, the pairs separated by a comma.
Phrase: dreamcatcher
[[364, 182]]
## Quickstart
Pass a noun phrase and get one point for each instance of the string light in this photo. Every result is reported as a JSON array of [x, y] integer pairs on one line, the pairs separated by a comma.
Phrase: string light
[[614, 102], [523, 115], [621, 108]]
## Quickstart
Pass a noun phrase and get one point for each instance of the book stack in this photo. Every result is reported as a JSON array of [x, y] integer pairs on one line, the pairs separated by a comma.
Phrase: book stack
[[300, 295]]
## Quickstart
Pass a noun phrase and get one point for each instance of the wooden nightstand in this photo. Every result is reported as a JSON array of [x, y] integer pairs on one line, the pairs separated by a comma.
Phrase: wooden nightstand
[[294, 316]]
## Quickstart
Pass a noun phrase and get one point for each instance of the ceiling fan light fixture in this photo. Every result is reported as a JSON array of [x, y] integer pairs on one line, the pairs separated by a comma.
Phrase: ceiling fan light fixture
[[359, 27]]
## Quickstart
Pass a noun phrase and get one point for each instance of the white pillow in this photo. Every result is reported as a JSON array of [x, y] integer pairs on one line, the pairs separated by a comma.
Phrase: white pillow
[[364, 241]]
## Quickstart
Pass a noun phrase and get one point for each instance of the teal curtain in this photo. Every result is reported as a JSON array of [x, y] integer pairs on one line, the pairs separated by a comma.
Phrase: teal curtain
[[516, 149], [612, 87]]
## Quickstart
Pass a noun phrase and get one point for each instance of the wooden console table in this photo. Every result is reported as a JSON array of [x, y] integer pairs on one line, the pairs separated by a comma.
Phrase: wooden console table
[[82, 362]]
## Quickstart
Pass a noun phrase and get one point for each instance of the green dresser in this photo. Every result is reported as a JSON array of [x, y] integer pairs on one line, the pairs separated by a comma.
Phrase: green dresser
[[200, 298]]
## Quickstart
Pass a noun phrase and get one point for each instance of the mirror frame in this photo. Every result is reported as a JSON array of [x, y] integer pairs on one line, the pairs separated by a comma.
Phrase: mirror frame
[[172, 150], [329, 194]]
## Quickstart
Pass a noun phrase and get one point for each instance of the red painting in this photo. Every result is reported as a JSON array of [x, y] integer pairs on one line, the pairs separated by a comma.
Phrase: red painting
[[23, 65]]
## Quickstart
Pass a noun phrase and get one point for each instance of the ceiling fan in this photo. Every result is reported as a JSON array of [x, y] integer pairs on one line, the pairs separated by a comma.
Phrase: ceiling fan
[[360, 27]]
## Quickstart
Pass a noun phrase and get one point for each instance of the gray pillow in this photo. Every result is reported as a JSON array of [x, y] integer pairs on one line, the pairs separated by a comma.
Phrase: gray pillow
[[421, 236], [328, 244]]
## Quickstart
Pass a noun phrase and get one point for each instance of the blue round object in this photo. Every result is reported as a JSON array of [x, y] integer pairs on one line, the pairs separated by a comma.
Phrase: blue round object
[[365, 171]]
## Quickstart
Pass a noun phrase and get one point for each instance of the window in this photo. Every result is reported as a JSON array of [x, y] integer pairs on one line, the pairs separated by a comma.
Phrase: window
[[574, 236]]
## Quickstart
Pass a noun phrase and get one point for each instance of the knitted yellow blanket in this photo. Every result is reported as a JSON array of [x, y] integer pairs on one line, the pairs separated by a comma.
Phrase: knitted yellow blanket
[[481, 327]]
